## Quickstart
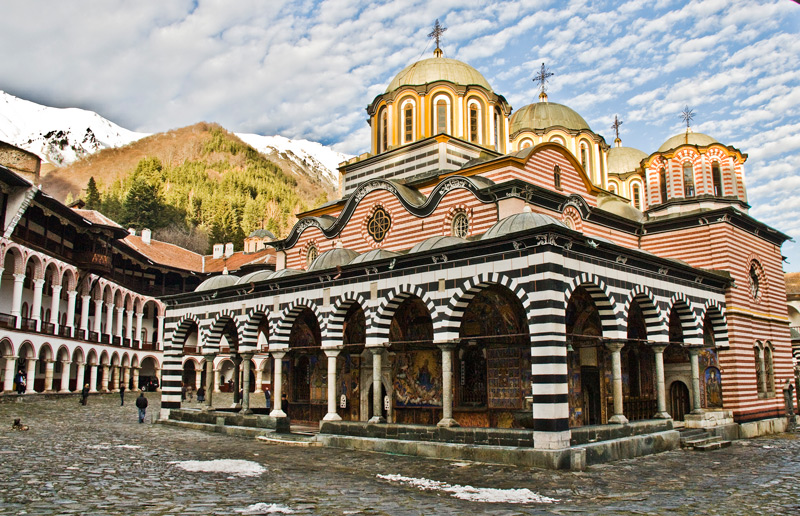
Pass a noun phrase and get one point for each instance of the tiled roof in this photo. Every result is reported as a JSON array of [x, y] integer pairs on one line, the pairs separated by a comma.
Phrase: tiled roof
[[95, 217], [166, 254], [239, 259]]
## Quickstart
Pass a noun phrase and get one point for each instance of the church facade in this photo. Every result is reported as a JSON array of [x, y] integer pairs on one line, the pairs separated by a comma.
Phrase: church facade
[[507, 269]]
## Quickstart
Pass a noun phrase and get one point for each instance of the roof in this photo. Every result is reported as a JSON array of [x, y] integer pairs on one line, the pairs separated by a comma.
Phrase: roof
[[438, 69], [239, 259], [332, 258], [792, 283], [624, 159], [215, 282], [261, 233], [520, 222], [95, 217], [541, 115], [617, 206], [375, 254], [689, 138], [437, 242], [163, 253]]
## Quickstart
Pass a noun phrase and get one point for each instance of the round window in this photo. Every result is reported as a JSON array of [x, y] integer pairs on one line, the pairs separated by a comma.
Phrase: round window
[[311, 254], [378, 224], [460, 225]]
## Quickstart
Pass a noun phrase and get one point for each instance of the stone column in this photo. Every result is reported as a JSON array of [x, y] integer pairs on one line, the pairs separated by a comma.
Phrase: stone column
[[661, 396], [104, 378], [65, 365], [98, 316], [212, 381], [198, 379], [616, 371], [48, 376], [129, 325], [277, 376], [237, 369], [377, 399], [93, 377], [259, 376], [246, 383], [217, 380], [72, 296], [55, 304], [79, 377], [447, 385], [16, 298], [31, 376], [136, 377], [139, 318], [36, 306], [85, 304], [120, 319], [126, 376], [332, 415], [11, 369], [694, 359], [110, 319], [114, 377]]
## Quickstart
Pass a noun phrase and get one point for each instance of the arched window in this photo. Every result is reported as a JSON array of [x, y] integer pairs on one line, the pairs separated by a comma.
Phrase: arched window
[[460, 226], [761, 384], [311, 254], [637, 197], [524, 144], [408, 121], [716, 177], [557, 177], [474, 122], [383, 132], [688, 180], [442, 104], [497, 120], [557, 139], [24, 312], [769, 371], [755, 284], [662, 183], [612, 187], [585, 158]]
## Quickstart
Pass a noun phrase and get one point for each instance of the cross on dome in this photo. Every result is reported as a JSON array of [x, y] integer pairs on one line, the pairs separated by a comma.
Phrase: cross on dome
[[541, 77], [687, 115], [436, 34], [615, 127]]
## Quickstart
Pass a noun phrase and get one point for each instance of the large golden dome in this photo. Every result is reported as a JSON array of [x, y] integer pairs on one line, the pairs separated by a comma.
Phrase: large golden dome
[[438, 69], [542, 115], [624, 159], [698, 139]]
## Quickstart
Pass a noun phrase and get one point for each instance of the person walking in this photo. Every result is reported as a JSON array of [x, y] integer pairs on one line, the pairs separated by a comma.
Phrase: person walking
[[141, 404], [20, 379], [121, 394], [84, 394], [268, 400], [201, 394]]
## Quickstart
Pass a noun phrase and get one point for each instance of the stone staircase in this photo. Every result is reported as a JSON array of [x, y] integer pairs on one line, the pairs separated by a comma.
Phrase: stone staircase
[[701, 440]]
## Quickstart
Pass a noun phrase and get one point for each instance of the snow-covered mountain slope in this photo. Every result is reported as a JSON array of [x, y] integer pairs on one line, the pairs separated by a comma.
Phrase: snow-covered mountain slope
[[58, 136], [314, 158]]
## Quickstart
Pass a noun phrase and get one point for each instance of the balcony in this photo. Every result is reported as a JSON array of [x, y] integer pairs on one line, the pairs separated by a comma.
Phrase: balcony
[[66, 331], [48, 328], [7, 321], [94, 262], [28, 324]]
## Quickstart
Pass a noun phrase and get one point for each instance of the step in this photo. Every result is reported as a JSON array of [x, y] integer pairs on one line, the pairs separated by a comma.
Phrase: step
[[716, 445], [704, 440], [289, 440]]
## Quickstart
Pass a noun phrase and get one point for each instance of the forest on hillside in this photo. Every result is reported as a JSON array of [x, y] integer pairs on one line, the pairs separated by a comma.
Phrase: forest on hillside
[[229, 191]]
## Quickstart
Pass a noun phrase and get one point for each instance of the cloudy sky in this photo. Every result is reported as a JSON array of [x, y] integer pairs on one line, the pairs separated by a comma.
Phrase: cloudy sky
[[307, 69]]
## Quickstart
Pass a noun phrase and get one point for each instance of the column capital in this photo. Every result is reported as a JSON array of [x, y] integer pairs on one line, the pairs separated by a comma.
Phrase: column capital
[[332, 352], [19, 276], [38, 282], [614, 345], [449, 345], [693, 350], [278, 355], [658, 347], [210, 356], [246, 356]]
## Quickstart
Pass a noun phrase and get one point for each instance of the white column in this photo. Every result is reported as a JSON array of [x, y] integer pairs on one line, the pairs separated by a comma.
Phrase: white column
[[93, 377], [212, 381], [217, 379], [694, 359], [31, 376], [126, 376], [160, 332], [65, 365], [110, 319], [48, 376], [129, 325], [246, 383], [11, 367], [36, 307], [55, 305], [16, 298], [447, 385], [136, 377], [71, 297], [98, 316], [198, 379], [332, 415], [120, 318], [79, 377], [661, 397], [85, 304], [377, 399], [259, 376], [104, 378], [616, 373], [277, 411], [139, 318]]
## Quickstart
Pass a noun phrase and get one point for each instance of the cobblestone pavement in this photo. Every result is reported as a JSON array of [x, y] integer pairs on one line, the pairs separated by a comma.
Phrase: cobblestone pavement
[[98, 460]]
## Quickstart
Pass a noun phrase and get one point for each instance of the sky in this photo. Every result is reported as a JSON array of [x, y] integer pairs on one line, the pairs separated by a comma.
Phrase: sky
[[307, 69]]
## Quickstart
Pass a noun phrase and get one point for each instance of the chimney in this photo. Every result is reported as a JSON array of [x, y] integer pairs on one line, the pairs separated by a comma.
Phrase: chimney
[[146, 236], [132, 231], [218, 251], [228, 250]]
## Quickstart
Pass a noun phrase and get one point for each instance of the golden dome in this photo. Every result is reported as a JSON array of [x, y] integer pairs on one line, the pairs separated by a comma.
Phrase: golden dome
[[624, 159], [542, 115], [438, 69], [699, 139]]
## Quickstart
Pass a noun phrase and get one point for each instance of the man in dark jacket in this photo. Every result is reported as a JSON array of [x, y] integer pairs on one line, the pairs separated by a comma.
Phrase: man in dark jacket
[[84, 394], [141, 404]]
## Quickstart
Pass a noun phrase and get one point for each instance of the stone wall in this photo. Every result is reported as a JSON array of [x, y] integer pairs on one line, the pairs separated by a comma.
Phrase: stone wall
[[21, 162]]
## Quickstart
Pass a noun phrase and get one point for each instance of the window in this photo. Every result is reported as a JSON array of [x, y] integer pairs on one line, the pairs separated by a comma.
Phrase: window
[[473, 123], [497, 131], [441, 116], [557, 177], [311, 254], [637, 197], [754, 281], [716, 177], [584, 157], [524, 144], [408, 123], [688, 180], [557, 139], [662, 183], [460, 226], [378, 224], [769, 373], [761, 383], [383, 137], [612, 187]]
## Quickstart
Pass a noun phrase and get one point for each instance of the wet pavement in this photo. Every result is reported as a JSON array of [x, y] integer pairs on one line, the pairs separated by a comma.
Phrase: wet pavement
[[98, 460]]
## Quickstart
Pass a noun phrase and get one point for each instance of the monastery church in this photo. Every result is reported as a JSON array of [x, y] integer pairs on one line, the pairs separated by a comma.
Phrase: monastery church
[[493, 275]]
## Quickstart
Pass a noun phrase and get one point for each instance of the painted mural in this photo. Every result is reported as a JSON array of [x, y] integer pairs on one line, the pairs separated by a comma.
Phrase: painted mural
[[418, 378], [318, 378], [348, 371], [411, 323]]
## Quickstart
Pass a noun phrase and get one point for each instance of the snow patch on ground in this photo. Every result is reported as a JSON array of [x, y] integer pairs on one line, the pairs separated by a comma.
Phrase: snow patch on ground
[[106, 446], [265, 508], [472, 494], [242, 468]]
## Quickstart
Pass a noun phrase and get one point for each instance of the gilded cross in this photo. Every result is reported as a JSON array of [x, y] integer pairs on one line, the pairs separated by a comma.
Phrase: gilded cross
[[687, 115], [437, 32], [542, 77], [616, 124]]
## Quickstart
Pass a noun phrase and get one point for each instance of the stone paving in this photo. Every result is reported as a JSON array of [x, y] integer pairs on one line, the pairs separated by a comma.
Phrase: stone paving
[[98, 460]]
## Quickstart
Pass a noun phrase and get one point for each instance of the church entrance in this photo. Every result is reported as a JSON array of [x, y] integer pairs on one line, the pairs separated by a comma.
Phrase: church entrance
[[349, 365], [679, 403], [307, 375]]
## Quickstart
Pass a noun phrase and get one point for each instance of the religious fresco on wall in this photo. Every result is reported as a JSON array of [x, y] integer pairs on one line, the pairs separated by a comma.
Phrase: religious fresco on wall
[[504, 378], [286, 364], [675, 354], [417, 378], [575, 392], [318, 378], [712, 381], [411, 322], [492, 313], [348, 374]]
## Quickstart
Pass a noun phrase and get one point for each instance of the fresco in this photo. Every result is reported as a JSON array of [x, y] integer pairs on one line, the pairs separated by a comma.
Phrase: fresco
[[411, 323], [417, 379], [318, 378], [348, 373], [713, 387]]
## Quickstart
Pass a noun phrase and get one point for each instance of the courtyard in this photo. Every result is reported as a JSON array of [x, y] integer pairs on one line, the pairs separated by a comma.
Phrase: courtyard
[[99, 460]]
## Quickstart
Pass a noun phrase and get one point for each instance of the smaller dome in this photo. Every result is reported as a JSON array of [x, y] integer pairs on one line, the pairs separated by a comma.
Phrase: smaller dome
[[542, 115], [436, 242], [520, 222], [375, 254], [332, 258], [283, 273], [255, 276], [261, 233], [215, 282], [699, 139], [617, 206], [624, 159], [438, 69]]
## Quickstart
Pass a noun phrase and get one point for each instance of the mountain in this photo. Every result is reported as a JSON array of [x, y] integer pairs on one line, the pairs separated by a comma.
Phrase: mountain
[[62, 137]]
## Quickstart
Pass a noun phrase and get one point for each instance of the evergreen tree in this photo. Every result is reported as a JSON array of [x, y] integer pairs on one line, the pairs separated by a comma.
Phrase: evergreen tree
[[142, 207], [92, 195]]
